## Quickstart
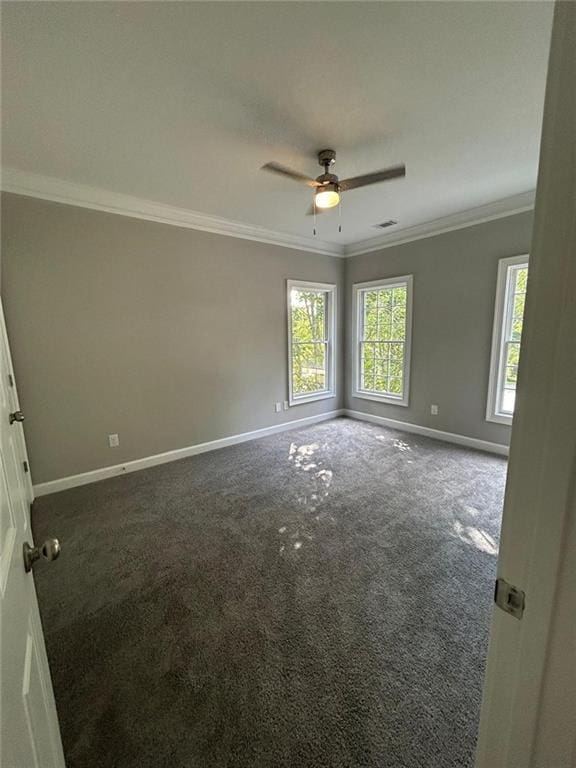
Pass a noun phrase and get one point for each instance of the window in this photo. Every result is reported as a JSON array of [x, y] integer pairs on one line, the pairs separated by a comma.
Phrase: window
[[508, 318], [311, 308], [382, 334]]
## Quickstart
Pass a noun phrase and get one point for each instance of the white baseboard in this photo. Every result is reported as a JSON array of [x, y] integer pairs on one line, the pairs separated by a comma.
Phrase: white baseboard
[[53, 486], [63, 483], [448, 437]]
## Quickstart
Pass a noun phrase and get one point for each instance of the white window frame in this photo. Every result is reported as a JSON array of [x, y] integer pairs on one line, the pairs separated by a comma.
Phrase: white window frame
[[502, 309], [330, 290], [358, 289]]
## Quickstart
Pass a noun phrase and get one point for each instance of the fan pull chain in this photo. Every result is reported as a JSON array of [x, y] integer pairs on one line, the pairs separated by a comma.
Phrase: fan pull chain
[[340, 214], [314, 204]]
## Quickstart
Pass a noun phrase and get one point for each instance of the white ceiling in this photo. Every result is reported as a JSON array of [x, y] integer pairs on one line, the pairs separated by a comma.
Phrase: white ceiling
[[181, 103]]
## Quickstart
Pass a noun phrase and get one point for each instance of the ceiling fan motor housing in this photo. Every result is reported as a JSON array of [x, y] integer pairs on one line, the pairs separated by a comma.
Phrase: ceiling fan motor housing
[[327, 179], [326, 158]]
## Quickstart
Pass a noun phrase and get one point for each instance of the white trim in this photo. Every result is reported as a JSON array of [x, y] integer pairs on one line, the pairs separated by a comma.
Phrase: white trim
[[436, 434], [499, 209], [59, 191], [496, 354], [332, 304], [357, 288], [73, 481], [63, 483], [67, 192]]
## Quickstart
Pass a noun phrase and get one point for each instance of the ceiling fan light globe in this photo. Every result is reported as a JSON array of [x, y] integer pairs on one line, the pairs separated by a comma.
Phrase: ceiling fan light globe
[[327, 198]]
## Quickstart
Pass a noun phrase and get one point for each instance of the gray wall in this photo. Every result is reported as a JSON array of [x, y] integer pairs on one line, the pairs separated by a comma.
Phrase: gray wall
[[454, 292], [155, 332], [165, 335]]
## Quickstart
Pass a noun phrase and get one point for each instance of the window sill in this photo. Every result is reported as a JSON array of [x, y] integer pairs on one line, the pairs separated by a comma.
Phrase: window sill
[[311, 398], [499, 418], [389, 399]]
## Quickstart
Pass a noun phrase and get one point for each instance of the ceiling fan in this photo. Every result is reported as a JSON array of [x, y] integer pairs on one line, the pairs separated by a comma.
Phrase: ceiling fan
[[328, 187]]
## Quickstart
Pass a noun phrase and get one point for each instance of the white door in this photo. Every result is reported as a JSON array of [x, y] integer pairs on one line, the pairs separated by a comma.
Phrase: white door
[[29, 734], [529, 708]]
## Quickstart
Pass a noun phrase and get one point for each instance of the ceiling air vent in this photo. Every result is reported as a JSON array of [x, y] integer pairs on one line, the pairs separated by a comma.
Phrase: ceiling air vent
[[386, 224]]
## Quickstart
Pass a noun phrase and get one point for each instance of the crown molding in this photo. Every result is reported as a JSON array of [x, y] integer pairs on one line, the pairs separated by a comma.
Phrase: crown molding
[[497, 210], [69, 193], [60, 191]]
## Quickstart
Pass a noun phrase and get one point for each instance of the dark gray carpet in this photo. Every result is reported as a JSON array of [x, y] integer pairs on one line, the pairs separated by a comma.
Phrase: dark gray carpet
[[316, 599]]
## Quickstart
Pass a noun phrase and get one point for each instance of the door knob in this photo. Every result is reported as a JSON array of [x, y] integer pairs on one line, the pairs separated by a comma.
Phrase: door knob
[[16, 416], [50, 550]]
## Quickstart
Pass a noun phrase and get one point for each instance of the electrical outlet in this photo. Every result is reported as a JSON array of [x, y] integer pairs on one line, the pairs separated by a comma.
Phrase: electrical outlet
[[286, 405], [278, 407], [434, 410], [113, 441]]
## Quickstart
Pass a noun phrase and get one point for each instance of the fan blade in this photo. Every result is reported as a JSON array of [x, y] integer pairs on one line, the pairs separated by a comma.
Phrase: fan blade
[[296, 175], [394, 172], [310, 211]]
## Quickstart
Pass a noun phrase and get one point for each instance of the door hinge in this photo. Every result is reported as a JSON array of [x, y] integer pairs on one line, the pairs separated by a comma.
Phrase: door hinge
[[10, 379], [509, 598], [26, 467]]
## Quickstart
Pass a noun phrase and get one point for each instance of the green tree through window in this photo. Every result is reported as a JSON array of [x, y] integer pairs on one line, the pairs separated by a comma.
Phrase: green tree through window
[[310, 342], [382, 341], [512, 337], [507, 337], [382, 344]]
